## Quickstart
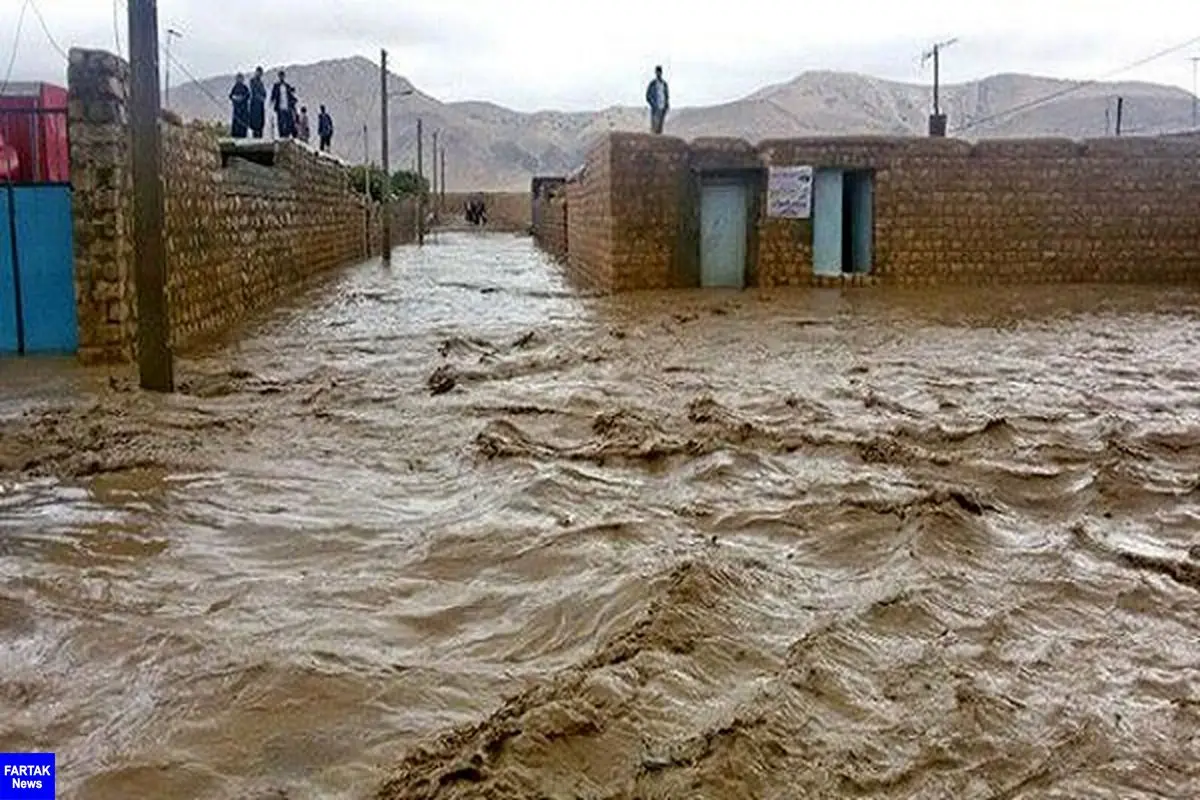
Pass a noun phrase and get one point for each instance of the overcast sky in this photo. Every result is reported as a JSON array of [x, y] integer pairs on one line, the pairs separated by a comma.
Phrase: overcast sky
[[583, 54]]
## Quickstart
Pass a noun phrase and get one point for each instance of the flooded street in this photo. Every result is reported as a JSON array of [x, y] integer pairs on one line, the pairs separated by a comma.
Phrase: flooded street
[[453, 530]]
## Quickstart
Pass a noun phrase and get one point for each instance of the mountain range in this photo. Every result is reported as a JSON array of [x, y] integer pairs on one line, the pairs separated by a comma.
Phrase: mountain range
[[489, 147]]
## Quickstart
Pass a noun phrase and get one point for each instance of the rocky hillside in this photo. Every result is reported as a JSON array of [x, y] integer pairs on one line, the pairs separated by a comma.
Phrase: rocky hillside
[[494, 148]]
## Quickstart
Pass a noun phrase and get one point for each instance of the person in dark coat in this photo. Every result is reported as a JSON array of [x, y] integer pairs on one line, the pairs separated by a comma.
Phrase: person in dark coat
[[324, 129], [658, 97], [239, 96], [258, 104], [282, 101]]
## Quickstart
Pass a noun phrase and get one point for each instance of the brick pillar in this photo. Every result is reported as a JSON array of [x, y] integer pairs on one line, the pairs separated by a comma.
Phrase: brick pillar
[[101, 176]]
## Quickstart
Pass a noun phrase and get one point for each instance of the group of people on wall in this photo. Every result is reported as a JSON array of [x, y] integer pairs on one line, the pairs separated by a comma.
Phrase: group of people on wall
[[250, 99]]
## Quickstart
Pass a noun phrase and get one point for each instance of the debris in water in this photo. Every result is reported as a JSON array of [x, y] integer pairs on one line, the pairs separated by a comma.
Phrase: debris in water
[[443, 379]]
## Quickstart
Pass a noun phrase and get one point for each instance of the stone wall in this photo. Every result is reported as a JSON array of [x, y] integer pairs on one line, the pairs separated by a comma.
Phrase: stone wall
[[238, 237], [1000, 211]]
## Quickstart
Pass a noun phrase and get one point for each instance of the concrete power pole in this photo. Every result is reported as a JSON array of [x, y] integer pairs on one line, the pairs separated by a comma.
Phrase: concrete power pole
[[156, 369], [420, 187], [366, 195], [1195, 61], [171, 32], [386, 207], [433, 175]]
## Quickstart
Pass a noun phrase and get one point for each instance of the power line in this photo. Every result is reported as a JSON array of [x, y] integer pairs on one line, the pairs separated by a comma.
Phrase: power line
[[1076, 87], [46, 30], [12, 59]]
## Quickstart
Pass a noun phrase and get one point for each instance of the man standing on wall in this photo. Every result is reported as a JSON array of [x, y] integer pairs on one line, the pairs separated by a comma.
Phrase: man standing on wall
[[258, 104], [281, 94], [239, 96], [658, 96], [324, 129]]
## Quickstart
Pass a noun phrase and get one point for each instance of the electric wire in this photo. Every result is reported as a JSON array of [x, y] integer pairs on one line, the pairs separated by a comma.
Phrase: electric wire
[[12, 59], [1075, 87], [46, 30]]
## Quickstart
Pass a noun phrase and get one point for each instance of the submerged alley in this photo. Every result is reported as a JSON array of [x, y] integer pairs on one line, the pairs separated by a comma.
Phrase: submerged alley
[[878, 543]]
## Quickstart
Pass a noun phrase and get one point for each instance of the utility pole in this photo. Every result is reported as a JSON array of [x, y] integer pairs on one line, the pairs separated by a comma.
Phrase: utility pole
[[366, 195], [433, 174], [937, 120], [1120, 113], [1195, 60], [155, 363], [386, 207], [442, 199], [420, 187], [171, 32]]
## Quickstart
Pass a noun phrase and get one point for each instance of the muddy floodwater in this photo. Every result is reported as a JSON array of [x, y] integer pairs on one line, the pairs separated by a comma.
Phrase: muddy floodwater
[[453, 530]]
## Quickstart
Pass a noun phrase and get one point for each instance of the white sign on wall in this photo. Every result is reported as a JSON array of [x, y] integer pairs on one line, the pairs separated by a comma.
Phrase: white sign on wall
[[789, 192]]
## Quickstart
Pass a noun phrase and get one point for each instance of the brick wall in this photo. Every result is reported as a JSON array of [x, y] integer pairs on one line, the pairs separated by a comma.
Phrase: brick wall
[[1000, 211], [238, 237], [589, 220], [549, 202]]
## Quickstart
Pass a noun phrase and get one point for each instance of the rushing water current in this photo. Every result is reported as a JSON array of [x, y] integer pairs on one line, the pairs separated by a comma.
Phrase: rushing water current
[[450, 529]]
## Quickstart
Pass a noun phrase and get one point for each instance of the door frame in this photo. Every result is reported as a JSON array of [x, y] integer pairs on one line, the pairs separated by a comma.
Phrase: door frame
[[754, 180]]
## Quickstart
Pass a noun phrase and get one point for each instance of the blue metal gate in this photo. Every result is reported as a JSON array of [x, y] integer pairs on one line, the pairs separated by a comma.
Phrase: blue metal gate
[[37, 273]]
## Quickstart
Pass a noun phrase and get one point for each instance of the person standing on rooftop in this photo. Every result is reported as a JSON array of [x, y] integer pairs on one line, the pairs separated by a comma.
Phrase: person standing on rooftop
[[239, 96], [258, 104], [658, 96]]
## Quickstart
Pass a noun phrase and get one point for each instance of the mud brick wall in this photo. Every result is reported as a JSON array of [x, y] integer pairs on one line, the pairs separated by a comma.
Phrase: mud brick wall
[[590, 221], [651, 190], [551, 233], [238, 238], [549, 202], [945, 211]]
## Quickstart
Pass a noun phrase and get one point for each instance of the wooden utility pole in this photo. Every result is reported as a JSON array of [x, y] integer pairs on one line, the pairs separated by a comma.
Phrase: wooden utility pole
[[420, 187], [1120, 113], [156, 370], [434, 178], [386, 207], [937, 120], [442, 199]]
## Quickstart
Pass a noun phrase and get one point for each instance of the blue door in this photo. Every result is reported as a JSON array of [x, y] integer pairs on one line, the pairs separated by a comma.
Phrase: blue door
[[723, 235], [46, 266], [862, 205], [37, 270], [827, 222], [8, 273]]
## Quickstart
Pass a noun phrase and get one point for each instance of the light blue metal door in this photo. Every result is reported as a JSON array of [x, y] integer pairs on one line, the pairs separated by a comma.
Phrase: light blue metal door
[[863, 204], [8, 289], [723, 235], [827, 222], [46, 268]]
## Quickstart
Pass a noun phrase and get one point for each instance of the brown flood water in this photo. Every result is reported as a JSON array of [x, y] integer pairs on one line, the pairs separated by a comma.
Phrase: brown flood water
[[870, 544]]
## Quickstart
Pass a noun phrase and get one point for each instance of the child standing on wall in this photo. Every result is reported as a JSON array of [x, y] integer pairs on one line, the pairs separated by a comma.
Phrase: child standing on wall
[[302, 129]]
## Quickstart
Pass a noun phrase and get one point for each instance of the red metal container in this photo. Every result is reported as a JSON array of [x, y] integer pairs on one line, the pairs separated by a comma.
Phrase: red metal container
[[33, 123]]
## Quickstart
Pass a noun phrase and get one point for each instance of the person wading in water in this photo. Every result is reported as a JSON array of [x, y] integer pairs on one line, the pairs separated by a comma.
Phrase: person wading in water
[[658, 96]]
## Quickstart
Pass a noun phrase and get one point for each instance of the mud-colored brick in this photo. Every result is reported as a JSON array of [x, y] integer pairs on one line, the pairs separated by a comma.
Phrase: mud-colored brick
[[238, 237], [945, 211]]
